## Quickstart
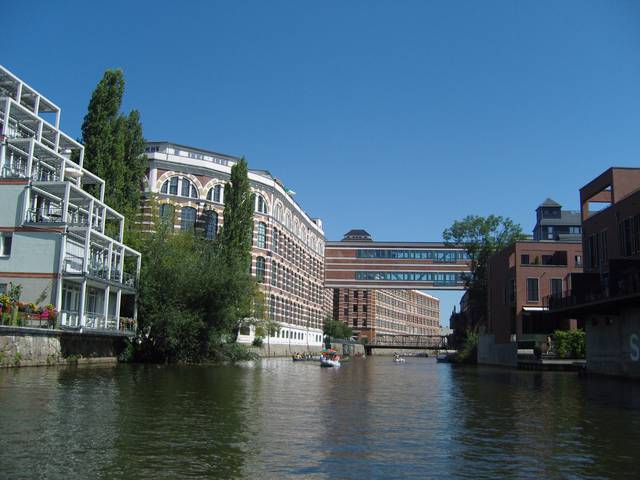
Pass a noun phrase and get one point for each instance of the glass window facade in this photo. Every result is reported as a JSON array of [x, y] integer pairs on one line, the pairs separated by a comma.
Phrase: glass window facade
[[435, 255], [437, 278]]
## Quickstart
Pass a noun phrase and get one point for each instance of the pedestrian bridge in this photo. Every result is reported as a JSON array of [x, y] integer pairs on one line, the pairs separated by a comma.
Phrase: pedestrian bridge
[[360, 263], [407, 342]]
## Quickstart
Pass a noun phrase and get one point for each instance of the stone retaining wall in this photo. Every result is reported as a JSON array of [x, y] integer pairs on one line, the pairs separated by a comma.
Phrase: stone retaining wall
[[22, 347]]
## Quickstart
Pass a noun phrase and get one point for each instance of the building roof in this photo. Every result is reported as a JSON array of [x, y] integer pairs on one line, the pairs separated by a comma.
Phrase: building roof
[[567, 217], [355, 235], [549, 202]]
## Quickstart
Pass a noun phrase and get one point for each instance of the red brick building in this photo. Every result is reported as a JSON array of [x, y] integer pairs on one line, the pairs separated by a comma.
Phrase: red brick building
[[381, 311], [520, 277]]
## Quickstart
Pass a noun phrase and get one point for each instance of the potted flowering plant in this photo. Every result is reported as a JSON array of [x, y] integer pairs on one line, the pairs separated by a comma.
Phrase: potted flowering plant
[[51, 314]]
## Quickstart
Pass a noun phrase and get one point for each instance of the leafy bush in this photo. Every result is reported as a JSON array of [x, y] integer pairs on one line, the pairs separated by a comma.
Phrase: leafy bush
[[257, 342], [469, 351], [570, 343]]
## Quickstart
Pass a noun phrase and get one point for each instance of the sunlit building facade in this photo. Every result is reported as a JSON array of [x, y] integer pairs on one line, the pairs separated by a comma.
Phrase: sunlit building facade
[[387, 312], [186, 185]]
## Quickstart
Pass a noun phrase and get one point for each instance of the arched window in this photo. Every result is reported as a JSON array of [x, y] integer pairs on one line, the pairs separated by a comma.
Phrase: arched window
[[215, 194], [180, 186], [188, 219], [167, 213], [278, 212], [296, 227], [274, 273], [210, 225], [261, 204], [261, 235], [260, 269], [287, 220]]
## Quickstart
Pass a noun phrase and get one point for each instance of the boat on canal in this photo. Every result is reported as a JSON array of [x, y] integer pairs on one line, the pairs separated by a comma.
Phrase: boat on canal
[[329, 358]]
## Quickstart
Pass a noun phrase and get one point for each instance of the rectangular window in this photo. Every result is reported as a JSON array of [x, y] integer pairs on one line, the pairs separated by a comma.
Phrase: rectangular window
[[532, 290], [355, 294], [364, 308], [346, 313], [578, 259], [5, 244], [524, 259], [173, 186], [355, 308], [3, 288], [556, 287]]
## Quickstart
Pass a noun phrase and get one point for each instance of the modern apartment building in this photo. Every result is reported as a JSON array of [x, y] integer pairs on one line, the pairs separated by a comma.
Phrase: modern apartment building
[[606, 296], [391, 312], [520, 277], [58, 239], [187, 186]]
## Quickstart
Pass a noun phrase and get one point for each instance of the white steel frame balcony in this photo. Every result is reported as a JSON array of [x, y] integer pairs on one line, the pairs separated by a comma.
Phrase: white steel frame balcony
[[103, 275]]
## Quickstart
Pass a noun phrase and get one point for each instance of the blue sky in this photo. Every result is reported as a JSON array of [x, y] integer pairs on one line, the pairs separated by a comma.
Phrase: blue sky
[[395, 117]]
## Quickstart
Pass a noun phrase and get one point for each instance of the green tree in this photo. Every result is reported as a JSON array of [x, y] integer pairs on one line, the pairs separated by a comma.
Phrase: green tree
[[336, 328], [114, 144], [237, 295], [481, 237]]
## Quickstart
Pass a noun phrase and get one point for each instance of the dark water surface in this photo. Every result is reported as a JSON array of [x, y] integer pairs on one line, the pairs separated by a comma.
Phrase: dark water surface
[[369, 419]]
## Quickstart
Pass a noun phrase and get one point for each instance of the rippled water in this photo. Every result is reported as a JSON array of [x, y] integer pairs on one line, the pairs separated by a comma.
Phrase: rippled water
[[369, 419]]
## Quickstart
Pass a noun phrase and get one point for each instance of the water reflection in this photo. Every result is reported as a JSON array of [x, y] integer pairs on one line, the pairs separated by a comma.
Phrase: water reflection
[[369, 419]]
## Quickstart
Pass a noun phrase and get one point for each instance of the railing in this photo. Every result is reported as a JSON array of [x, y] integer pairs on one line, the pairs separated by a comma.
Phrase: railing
[[69, 319], [99, 270], [50, 215], [14, 169], [129, 279], [619, 287], [94, 320], [42, 173], [73, 263], [128, 324]]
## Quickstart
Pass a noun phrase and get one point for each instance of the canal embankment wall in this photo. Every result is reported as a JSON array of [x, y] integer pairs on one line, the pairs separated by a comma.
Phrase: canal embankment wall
[[613, 343], [23, 346], [492, 353]]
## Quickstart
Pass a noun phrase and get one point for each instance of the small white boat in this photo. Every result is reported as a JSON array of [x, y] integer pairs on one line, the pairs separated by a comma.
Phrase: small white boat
[[327, 362], [399, 360]]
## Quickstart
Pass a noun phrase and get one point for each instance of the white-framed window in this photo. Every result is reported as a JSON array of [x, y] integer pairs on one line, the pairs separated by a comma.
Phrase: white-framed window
[[180, 186], [261, 235], [188, 219], [216, 194], [260, 269], [260, 204], [6, 239]]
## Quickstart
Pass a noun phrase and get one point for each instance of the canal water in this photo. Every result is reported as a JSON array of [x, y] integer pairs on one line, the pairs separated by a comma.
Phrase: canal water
[[370, 418]]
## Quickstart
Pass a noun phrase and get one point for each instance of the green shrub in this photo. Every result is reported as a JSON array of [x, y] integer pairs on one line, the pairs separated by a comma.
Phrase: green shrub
[[570, 343], [257, 342], [469, 351]]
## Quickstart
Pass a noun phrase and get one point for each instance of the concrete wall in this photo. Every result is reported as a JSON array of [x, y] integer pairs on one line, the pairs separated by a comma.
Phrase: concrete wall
[[20, 347], [492, 353], [613, 343], [12, 201]]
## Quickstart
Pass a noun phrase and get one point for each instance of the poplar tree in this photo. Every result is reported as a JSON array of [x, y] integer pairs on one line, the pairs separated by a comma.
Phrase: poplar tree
[[114, 144], [236, 292]]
